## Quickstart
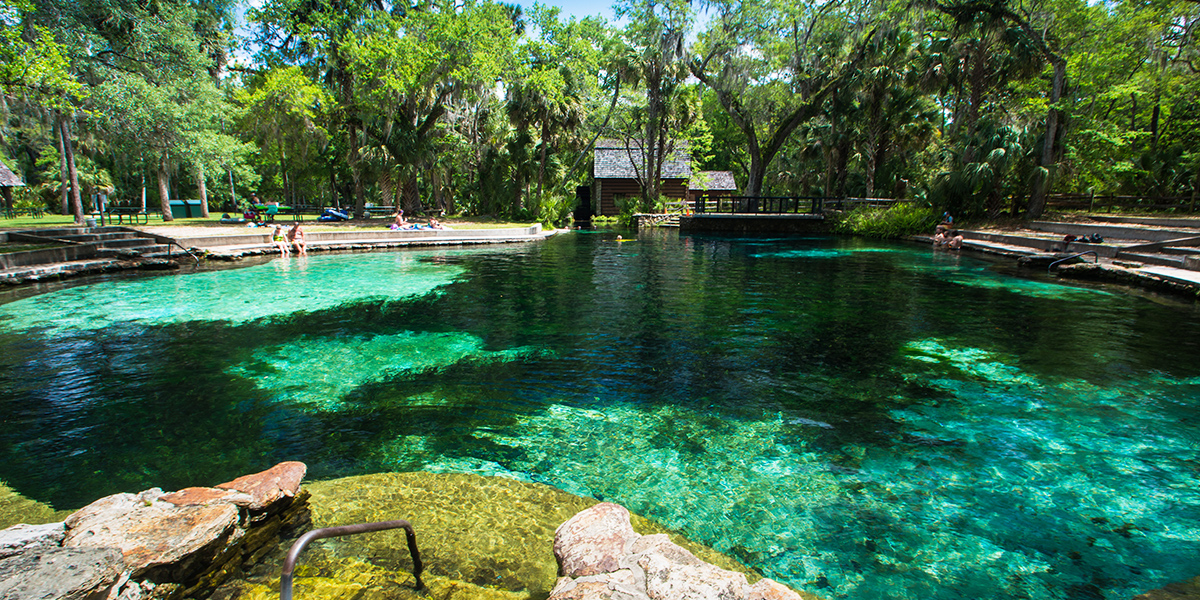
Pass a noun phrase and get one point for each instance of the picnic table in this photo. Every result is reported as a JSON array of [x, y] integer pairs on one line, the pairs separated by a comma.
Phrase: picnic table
[[137, 215]]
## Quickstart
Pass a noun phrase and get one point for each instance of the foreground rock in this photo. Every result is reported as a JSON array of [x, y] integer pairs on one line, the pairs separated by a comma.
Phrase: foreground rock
[[153, 544], [601, 557]]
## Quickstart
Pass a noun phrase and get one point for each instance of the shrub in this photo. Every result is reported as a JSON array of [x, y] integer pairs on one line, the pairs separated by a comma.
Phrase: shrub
[[901, 219]]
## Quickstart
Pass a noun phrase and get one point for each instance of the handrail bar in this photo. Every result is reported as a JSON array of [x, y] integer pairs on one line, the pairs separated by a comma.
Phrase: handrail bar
[[1076, 255], [189, 252], [289, 563]]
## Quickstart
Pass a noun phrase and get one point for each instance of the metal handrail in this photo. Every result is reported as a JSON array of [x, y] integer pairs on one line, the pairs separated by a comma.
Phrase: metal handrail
[[189, 252], [289, 563], [1076, 255]]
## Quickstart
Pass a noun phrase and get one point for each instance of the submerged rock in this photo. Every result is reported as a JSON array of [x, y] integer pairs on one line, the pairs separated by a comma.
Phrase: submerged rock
[[479, 537], [15, 508]]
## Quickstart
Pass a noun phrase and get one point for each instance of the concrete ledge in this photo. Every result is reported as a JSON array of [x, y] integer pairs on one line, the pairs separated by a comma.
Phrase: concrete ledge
[[12, 260], [365, 236], [1113, 231], [1190, 223]]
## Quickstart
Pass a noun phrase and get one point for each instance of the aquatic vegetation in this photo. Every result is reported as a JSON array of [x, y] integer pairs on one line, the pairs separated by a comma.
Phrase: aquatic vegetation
[[15, 508], [318, 373], [481, 538]]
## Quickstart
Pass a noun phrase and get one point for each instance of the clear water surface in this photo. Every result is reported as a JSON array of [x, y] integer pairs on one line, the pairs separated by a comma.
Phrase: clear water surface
[[860, 420]]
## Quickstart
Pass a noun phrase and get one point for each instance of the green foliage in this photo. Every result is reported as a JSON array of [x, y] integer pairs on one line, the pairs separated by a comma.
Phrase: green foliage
[[899, 220], [480, 107]]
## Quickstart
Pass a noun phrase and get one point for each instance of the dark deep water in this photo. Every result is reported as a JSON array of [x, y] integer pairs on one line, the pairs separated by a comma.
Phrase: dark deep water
[[857, 419]]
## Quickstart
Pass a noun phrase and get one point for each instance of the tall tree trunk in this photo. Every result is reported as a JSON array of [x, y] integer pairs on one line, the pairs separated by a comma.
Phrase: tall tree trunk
[[232, 192], [542, 158], [283, 175], [69, 152], [202, 187], [360, 200], [164, 189], [411, 195], [65, 195], [1037, 200]]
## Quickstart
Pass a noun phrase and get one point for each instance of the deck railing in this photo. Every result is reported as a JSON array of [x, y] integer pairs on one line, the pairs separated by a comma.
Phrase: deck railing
[[780, 205]]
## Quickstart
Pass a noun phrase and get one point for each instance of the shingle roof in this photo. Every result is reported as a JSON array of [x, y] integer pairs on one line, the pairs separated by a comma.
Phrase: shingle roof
[[615, 160], [713, 180], [8, 178]]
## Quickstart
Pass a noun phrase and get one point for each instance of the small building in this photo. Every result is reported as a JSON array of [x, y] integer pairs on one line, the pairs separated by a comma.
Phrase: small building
[[711, 183], [8, 181], [614, 174]]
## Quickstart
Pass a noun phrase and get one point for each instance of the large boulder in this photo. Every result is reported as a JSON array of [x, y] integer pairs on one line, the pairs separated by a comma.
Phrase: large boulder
[[601, 557], [270, 486], [61, 574], [594, 540], [30, 538], [672, 572], [150, 532]]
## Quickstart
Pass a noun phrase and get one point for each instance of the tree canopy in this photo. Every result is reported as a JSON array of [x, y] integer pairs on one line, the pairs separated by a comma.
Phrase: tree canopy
[[982, 107]]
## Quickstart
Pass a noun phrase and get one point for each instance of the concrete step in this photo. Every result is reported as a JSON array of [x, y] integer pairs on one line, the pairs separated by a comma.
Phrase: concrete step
[[1185, 250], [1145, 233], [129, 242], [1041, 243], [1153, 259], [1179, 223], [139, 251]]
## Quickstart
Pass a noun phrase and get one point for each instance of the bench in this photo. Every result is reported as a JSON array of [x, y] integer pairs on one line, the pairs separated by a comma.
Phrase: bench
[[12, 213]]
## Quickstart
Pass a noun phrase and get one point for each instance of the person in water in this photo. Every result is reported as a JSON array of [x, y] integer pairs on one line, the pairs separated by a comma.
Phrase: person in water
[[295, 236], [955, 240], [280, 242]]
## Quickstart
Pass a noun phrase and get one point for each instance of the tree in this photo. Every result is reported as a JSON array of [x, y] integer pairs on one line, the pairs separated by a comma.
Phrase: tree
[[773, 65], [655, 37]]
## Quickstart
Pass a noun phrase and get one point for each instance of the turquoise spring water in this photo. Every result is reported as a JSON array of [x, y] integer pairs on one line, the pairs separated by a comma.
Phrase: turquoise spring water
[[860, 420]]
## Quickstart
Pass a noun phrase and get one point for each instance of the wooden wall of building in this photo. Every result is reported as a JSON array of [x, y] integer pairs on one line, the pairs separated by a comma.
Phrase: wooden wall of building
[[608, 188]]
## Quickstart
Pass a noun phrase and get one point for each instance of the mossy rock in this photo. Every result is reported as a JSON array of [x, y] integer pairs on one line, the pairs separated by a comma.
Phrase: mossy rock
[[480, 538]]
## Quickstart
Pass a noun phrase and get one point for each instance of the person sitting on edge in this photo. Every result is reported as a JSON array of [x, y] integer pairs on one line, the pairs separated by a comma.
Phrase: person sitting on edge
[[940, 238], [280, 242], [295, 235], [400, 222]]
